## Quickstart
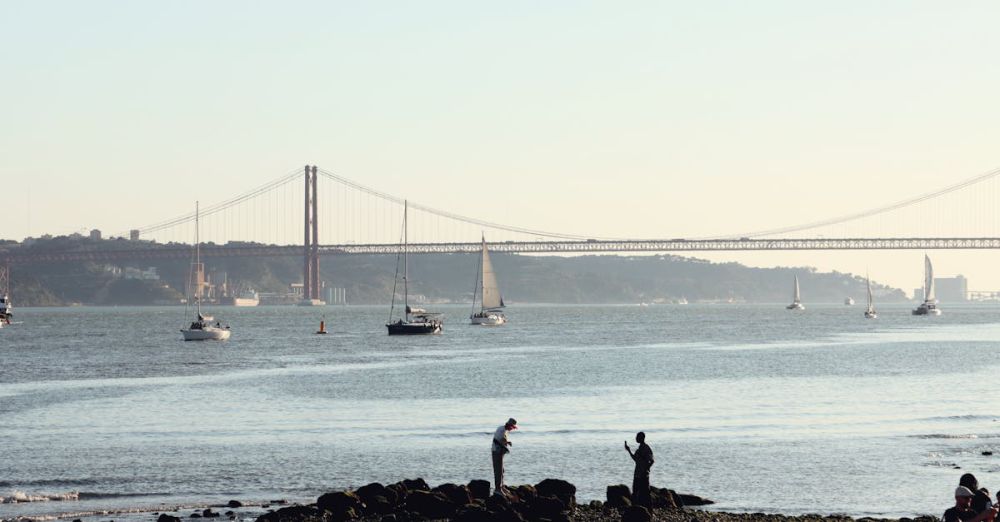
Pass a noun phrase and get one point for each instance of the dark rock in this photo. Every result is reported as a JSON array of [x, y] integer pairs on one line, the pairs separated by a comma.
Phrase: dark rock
[[342, 505], [693, 500], [636, 514], [389, 518], [234, 504], [292, 514], [279, 501], [195, 515], [208, 513], [430, 504], [473, 513], [560, 489], [480, 489], [418, 484], [497, 503], [522, 493], [369, 492], [596, 504], [987, 453], [229, 513], [399, 490], [165, 518], [619, 496], [379, 505], [545, 507], [665, 498], [458, 495]]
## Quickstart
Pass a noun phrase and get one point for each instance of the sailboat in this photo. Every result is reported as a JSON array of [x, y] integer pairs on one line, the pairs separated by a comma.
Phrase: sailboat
[[415, 321], [796, 298], [6, 310], [201, 328], [491, 302], [929, 306], [870, 311]]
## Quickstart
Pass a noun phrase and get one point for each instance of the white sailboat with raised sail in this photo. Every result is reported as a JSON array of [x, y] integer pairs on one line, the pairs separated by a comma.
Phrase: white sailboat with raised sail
[[491, 301], [796, 298], [415, 321], [202, 328], [870, 311], [929, 306]]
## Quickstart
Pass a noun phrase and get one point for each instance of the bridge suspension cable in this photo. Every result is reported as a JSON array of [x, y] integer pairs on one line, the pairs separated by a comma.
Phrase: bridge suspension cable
[[219, 207], [975, 180], [449, 215]]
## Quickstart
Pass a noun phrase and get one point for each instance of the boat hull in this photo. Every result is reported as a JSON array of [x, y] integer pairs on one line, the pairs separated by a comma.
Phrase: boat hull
[[487, 319], [871, 315], [926, 311], [206, 334], [795, 306], [240, 301], [401, 328]]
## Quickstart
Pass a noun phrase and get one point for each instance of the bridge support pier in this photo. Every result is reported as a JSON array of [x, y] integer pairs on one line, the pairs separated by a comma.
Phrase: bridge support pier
[[310, 252]]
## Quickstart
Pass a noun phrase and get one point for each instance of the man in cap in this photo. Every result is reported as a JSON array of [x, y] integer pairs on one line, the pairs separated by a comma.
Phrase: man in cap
[[963, 512], [501, 447], [643, 458]]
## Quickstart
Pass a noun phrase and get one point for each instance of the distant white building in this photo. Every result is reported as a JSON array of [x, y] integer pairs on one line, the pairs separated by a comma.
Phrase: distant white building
[[148, 274]]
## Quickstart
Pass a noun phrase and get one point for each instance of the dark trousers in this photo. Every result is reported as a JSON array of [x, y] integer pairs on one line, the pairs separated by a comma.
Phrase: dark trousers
[[498, 470], [640, 488]]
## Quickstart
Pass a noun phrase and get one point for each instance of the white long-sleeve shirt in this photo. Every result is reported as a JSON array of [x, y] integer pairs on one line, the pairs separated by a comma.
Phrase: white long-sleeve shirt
[[500, 439]]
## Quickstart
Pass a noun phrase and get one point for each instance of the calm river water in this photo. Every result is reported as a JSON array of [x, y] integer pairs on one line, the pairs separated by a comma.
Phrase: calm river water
[[754, 406]]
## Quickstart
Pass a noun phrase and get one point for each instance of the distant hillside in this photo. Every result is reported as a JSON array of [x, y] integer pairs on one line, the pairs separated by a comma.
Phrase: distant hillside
[[444, 277]]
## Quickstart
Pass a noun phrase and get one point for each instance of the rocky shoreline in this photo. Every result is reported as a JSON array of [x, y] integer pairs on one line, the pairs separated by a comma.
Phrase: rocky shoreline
[[551, 500]]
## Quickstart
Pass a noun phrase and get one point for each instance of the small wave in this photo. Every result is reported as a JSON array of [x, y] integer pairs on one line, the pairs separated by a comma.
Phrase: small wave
[[49, 482], [970, 417], [85, 495], [17, 497], [957, 436]]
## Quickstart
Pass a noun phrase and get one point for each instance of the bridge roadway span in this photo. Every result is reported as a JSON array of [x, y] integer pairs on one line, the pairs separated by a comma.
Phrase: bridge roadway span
[[519, 247]]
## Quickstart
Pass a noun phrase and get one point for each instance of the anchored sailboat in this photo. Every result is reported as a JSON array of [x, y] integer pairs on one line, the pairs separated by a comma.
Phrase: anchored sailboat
[[796, 298], [6, 310], [491, 301], [415, 321], [929, 306], [201, 328], [870, 311]]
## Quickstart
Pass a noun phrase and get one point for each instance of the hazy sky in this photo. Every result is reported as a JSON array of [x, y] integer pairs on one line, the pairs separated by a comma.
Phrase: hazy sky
[[638, 119]]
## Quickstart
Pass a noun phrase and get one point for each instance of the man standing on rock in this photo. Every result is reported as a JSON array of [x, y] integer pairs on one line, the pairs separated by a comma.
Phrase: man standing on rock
[[643, 458], [501, 447]]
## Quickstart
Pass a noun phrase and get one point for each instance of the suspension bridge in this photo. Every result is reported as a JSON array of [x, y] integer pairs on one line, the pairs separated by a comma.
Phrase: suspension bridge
[[284, 216]]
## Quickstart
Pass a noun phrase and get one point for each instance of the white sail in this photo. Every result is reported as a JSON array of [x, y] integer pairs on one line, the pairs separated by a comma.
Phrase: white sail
[[797, 298], [928, 279], [491, 292], [871, 305]]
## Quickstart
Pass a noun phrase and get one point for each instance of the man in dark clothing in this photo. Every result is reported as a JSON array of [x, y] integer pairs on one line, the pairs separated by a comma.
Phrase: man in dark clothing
[[963, 512], [643, 458]]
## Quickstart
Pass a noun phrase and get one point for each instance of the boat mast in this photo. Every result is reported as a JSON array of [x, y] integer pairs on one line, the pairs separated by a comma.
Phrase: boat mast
[[482, 277], [197, 258], [406, 288]]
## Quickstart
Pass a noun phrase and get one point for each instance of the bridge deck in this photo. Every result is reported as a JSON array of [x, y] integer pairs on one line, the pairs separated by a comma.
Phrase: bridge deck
[[519, 247]]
